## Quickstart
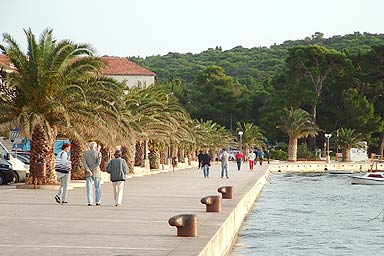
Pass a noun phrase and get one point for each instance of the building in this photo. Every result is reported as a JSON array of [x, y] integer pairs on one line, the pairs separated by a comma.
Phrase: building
[[121, 69], [6, 64]]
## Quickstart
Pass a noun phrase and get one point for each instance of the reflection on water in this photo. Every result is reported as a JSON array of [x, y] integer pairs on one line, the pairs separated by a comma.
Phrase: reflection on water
[[314, 214]]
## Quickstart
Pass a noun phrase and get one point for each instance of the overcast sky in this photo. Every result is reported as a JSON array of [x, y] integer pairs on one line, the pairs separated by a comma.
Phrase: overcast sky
[[151, 27]]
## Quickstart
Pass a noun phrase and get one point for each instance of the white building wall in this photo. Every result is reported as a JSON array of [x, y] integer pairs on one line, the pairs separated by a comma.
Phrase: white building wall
[[134, 81]]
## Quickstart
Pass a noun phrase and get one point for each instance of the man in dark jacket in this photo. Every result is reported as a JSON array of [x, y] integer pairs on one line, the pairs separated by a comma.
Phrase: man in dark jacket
[[118, 169], [206, 163]]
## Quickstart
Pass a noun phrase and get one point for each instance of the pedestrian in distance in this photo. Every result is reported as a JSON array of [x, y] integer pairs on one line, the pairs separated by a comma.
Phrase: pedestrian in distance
[[63, 172], [224, 158], [267, 155], [206, 164], [261, 156], [239, 159], [91, 163], [199, 159], [118, 169], [251, 159]]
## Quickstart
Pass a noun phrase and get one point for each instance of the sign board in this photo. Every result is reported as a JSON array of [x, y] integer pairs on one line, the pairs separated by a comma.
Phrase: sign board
[[15, 134]]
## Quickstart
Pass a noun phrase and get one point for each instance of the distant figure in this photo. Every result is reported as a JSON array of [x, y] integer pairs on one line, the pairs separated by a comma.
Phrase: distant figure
[[174, 163], [224, 158], [261, 155], [118, 169], [199, 159], [91, 163], [239, 159], [267, 155], [63, 173], [251, 159], [206, 163]]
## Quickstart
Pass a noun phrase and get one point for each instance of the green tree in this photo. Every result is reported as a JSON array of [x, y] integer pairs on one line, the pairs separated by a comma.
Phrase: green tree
[[297, 124], [216, 97], [312, 66]]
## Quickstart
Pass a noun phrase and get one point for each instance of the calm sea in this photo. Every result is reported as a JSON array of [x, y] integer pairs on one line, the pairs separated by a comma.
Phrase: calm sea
[[314, 214]]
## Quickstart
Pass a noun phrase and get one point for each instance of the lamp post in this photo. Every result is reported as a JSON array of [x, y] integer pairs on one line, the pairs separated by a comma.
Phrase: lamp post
[[241, 140], [328, 136]]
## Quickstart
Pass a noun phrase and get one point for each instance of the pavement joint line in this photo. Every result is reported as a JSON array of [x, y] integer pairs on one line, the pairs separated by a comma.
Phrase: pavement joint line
[[82, 219], [86, 247]]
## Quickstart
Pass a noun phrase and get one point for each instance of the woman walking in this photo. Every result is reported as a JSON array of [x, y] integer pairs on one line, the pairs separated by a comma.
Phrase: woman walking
[[63, 173]]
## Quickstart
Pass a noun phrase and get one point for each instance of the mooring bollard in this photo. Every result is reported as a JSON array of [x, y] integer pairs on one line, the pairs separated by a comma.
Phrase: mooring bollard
[[226, 192], [186, 224], [213, 203]]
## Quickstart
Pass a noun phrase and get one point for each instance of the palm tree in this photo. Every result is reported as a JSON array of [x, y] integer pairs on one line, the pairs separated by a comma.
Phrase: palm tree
[[346, 139], [252, 135], [297, 124], [156, 115], [56, 90]]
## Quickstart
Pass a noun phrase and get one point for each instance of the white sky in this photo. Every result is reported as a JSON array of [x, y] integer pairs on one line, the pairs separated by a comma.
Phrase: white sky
[[150, 27]]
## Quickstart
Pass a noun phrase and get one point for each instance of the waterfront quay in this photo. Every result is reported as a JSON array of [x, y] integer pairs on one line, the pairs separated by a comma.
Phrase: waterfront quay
[[32, 223]]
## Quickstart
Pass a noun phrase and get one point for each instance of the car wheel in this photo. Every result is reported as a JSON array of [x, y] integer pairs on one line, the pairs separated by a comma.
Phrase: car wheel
[[2, 179], [16, 179]]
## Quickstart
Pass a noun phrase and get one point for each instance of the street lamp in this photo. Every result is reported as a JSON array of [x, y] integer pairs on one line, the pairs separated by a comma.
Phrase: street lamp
[[328, 136], [241, 140]]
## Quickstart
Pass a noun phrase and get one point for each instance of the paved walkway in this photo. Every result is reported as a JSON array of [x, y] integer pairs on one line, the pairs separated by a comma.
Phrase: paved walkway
[[32, 223]]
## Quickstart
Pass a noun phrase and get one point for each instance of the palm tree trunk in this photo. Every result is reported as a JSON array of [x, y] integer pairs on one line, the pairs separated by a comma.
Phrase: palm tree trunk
[[163, 156], [139, 153], [105, 157], [131, 153], [42, 150], [292, 149], [77, 150], [180, 154], [345, 153], [154, 159], [312, 139]]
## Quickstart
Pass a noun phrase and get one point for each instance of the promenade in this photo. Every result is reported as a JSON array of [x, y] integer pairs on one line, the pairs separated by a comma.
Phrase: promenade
[[32, 223]]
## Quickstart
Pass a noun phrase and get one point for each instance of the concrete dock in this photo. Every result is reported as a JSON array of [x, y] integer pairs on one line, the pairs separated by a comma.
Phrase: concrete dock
[[32, 223]]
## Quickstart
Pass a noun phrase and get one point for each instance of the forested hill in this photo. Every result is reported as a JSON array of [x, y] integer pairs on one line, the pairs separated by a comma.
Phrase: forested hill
[[251, 67]]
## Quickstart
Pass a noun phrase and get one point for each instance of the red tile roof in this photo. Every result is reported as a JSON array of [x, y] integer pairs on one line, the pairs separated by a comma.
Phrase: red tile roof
[[115, 66], [123, 66], [5, 63]]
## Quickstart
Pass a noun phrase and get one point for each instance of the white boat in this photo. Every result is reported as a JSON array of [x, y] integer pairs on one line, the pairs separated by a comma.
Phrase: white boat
[[369, 178], [340, 171]]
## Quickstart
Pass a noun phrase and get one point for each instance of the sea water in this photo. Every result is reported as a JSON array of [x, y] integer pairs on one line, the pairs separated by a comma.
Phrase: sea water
[[314, 214]]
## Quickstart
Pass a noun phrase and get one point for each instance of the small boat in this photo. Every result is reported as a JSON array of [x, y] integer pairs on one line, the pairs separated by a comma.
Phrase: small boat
[[340, 171], [369, 178]]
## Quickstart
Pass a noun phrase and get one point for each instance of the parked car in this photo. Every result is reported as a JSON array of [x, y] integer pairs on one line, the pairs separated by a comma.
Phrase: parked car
[[7, 175], [22, 156], [20, 169]]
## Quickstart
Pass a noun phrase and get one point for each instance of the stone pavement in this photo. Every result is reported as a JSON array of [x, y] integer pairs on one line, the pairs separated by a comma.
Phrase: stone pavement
[[32, 223]]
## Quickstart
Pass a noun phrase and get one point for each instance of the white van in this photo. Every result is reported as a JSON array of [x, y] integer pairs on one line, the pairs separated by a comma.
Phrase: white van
[[20, 169]]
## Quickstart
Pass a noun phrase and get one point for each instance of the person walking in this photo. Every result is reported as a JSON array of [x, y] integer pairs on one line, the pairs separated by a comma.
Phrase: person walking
[[63, 173], [261, 155], [267, 155], [199, 159], [118, 169], [239, 159], [205, 164], [91, 163], [224, 157], [251, 159]]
